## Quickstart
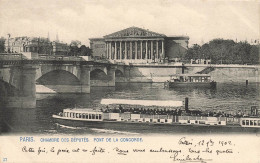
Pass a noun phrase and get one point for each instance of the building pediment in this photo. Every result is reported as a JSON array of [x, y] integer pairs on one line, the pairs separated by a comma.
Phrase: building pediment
[[134, 32]]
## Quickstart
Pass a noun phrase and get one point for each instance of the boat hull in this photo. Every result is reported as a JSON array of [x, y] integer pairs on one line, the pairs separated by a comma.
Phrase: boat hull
[[190, 84], [146, 127]]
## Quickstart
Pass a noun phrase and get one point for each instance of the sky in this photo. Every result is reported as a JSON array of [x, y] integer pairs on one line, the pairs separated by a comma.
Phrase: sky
[[201, 20]]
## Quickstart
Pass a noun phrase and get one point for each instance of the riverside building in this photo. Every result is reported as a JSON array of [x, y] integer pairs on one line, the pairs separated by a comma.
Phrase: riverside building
[[137, 45], [35, 45]]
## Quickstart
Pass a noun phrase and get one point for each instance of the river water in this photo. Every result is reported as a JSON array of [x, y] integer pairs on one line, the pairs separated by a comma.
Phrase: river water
[[228, 97]]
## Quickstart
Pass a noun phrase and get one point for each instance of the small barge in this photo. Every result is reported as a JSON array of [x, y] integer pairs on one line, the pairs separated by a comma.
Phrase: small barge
[[190, 80]]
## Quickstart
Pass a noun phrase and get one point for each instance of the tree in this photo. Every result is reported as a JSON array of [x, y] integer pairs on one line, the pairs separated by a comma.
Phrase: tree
[[85, 51], [74, 48], [205, 51], [225, 51], [194, 52], [75, 43], [74, 51], [254, 54]]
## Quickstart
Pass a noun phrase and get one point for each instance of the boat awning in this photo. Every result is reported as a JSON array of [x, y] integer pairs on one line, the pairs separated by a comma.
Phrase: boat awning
[[142, 102]]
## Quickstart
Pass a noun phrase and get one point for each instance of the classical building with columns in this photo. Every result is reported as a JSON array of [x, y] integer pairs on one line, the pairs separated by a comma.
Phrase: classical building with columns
[[137, 45]]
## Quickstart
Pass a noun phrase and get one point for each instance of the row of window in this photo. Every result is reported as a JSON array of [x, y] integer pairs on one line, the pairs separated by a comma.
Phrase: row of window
[[82, 115], [159, 120], [204, 122], [251, 122], [151, 120]]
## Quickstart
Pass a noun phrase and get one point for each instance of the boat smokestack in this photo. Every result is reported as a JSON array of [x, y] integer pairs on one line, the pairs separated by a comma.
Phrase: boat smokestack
[[186, 104]]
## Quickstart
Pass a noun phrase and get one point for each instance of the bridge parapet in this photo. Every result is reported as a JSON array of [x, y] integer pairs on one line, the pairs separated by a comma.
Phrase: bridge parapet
[[36, 56], [61, 58], [11, 56]]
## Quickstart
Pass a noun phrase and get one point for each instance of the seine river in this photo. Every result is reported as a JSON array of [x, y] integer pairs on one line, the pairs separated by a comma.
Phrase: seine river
[[228, 97]]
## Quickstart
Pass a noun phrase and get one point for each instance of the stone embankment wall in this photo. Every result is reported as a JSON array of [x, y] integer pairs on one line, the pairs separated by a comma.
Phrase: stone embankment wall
[[151, 74], [228, 73], [235, 75], [219, 73]]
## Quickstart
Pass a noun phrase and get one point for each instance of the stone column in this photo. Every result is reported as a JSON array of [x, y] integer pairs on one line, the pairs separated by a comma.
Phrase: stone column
[[141, 52], [146, 50], [107, 50], [131, 50], [115, 54], [157, 50], [151, 50], [110, 50], [135, 49], [125, 56], [111, 56], [163, 55], [85, 79], [120, 57]]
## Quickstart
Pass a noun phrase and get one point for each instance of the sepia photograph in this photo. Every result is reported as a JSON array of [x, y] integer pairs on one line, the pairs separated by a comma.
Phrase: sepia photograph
[[129, 81]]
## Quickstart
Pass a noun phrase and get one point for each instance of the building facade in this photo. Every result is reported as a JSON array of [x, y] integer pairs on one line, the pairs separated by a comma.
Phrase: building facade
[[28, 44], [137, 45], [59, 48], [35, 45]]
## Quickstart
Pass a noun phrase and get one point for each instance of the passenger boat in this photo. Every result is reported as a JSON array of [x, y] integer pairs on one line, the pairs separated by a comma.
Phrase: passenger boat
[[118, 113], [114, 112], [190, 80]]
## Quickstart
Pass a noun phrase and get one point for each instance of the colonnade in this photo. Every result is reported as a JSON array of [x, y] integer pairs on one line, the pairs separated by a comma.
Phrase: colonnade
[[150, 50]]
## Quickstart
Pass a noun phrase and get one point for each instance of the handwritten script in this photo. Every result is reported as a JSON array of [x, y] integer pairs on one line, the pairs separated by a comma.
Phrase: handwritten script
[[186, 150]]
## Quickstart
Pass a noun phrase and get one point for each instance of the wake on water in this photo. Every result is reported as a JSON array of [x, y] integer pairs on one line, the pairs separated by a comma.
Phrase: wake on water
[[113, 131], [70, 127], [97, 130]]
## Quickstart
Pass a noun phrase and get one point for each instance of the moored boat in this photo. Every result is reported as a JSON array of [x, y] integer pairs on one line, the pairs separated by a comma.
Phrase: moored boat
[[190, 80]]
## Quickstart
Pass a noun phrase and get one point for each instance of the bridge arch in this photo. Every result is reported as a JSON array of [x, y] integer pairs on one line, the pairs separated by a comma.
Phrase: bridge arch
[[119, 73], [44, 69], [98, 74], [58, 77], [102, 77], [121, 69], [104, 69], [60, 81]]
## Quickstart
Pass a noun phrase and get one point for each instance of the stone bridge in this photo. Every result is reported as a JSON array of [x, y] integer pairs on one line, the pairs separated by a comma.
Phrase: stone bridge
[[20, 78]]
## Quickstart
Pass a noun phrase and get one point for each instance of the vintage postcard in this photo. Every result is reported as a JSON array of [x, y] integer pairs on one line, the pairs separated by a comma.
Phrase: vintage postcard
[[129, 81]]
